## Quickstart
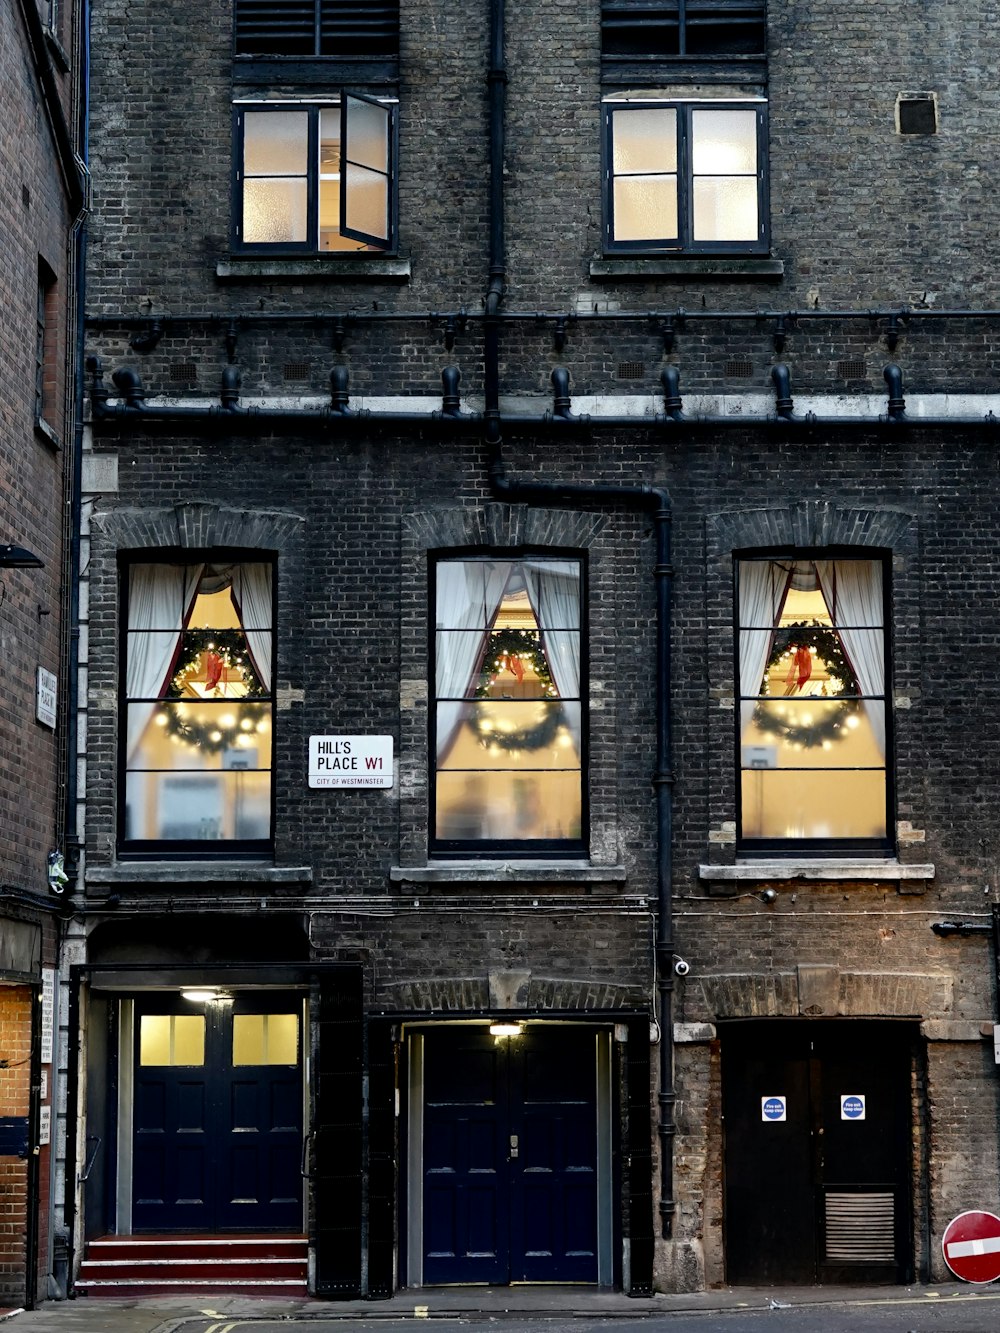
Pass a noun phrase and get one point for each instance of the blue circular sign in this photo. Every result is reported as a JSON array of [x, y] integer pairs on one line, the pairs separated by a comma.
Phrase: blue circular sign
[[774, 1108], [853, 1108]]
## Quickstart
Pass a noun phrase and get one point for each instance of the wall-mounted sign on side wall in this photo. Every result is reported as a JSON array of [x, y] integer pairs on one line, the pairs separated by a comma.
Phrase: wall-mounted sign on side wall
[[350, 761], [46, 697]]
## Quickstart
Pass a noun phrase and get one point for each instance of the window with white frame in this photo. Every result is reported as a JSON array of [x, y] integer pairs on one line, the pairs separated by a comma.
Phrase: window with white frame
[[508, 720], [196, 731], [315, 178], [685, 176], [813, 721]]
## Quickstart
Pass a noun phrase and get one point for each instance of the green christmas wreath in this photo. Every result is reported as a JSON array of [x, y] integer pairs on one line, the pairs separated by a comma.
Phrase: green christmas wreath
[[230, 645], [212, 736], [504, 646], [834, 709]]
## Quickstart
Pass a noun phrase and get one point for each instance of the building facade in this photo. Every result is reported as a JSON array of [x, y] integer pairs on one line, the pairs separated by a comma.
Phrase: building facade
[[537, 512], [40, 201]]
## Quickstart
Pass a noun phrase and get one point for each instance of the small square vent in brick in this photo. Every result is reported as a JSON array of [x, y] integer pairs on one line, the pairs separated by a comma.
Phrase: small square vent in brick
[[632, 370], [296, 370], [183, 372], [916, 113], [852, 370], [739, 368]]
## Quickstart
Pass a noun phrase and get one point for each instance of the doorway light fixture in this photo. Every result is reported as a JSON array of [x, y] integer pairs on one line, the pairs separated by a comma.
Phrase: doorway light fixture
[[19, 557], [506, 1029], [205, 995]]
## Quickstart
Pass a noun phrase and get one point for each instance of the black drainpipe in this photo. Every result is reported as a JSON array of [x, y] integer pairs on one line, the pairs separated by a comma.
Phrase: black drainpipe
[[545, 493]]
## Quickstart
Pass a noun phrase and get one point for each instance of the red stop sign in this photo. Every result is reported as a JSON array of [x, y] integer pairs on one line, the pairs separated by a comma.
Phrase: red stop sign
[[971, 1245]]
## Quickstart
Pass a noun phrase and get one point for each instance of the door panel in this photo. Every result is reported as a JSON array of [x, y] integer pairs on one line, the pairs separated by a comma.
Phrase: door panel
[[510, 1156], [216, 1146], [817, 1197]]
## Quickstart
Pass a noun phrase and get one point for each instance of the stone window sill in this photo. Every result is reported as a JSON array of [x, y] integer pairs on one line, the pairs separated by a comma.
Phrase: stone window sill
[[314, 268], [201, 872], [815, 868], [643, 267], [508, 872]]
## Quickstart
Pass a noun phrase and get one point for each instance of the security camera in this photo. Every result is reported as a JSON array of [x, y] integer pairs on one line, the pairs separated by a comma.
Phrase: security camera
[[769, 896], [681, 967]]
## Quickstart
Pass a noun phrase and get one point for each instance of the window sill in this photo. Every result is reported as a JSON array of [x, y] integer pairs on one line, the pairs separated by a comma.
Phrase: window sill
[[203, 872], [508, 872], [815, 868], [313, 268], [45, 432], [643, 267]]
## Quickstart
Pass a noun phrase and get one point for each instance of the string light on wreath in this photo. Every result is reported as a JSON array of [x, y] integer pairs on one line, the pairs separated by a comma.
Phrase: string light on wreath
[[214, 729], [796, 650], [214, 658]]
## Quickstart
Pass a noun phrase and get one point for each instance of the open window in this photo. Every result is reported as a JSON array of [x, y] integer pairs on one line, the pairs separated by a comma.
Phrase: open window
[[196, 730], [508, 722], [315, 179], [814, 723]]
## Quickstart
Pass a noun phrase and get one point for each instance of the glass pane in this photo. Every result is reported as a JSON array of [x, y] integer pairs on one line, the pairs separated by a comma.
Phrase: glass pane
[[724, 143], [644, 141], [206, 807], [274, 211], [265, 1039], [502, 734], [275, 143], [514, 665], [508, 805], [329, 142], [172, 1039], [835, 804], [814, 732], [467, 591], [368, 134], [224, 734], [645, 208], [367, 202], [725, 208]]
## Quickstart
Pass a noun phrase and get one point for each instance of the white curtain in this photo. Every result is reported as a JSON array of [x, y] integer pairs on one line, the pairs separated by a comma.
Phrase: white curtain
[[251, 594], [160, 601], [763, 588], [468, 594], [852, 590], [554, 592]]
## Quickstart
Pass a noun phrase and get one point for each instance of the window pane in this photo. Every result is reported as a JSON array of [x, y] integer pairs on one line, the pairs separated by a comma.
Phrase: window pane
[[275, 143], [172, 1039], [468, 591], [367, 202], [724, 143], [368, 135], [815, 732], [274, 211], [725, 208], [508, 806], [496, 733], [221, 734], [265, 1039], [835, 804], [645, 208], [644, 141], [204, 807]]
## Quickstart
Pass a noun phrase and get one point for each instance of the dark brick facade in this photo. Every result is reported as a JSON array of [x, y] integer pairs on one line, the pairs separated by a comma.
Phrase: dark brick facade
[[352, 512]]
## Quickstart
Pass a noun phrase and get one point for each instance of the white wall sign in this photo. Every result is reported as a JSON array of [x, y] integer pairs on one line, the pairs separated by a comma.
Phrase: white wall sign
[[48, 1013], [46, 697], [350, 761], [773, 1108], [44, 1125]]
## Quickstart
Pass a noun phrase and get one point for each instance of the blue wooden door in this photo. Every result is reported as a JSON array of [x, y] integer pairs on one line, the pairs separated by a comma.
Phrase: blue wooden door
[[510, 1156], [217, 1115]]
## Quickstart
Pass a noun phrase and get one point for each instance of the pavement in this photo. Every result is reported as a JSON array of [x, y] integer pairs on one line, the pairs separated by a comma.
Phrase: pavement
[[164, 1314]]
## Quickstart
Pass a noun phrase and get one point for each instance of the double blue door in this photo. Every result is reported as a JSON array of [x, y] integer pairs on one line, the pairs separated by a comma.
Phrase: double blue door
[[510, 1156]]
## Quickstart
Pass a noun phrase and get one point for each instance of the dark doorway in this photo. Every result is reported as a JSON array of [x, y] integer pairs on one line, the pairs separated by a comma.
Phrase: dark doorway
[[817, 1151], [510, 1156], [217, 1120]]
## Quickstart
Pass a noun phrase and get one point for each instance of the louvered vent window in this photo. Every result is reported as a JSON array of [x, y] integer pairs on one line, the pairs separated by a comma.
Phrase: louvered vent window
[[665, 29], [353, 29], [860, 1228]]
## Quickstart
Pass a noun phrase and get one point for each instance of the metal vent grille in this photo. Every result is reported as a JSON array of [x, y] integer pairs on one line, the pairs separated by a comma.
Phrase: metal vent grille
[[183, 372], [739, 368], [661, 29], [852, 370], [860, 1228], [356, 28], [296, 370], [632, 370]]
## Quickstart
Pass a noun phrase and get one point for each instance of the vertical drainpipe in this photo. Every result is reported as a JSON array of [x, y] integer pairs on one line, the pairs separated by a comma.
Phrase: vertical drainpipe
[[647, 497]]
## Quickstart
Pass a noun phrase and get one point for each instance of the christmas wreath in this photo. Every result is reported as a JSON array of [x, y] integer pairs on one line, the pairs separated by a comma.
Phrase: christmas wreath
[[225, 658], [800, 645], [513, 650]]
